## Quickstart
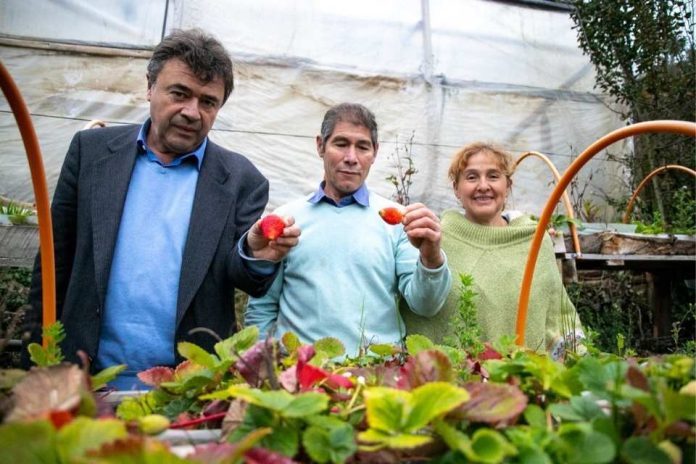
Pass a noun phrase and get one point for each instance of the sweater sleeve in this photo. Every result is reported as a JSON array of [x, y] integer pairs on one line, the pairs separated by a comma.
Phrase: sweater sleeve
[[425, 290]]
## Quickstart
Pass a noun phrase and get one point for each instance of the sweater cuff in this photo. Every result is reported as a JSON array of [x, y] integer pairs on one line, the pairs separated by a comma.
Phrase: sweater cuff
[[436, 272], [261, 267]]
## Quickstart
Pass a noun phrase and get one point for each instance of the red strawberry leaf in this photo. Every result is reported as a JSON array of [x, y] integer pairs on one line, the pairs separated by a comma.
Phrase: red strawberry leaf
[[492, 403], [309, 375], [426, 366], [156, 375], [264, 456]]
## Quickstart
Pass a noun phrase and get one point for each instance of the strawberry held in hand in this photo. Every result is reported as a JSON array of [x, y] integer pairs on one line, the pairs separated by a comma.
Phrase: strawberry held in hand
[[272, 226], [391, 215]]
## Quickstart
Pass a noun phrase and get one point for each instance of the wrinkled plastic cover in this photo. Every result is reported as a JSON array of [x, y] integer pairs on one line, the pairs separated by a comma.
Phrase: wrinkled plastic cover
[[499, 72]]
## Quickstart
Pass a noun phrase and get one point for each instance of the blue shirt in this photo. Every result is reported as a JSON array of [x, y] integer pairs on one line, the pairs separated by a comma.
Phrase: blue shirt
[[360, 196], [139, 323]]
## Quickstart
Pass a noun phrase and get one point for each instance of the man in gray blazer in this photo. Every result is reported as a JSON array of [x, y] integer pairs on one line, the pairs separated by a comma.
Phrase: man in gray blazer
[[155, 225]]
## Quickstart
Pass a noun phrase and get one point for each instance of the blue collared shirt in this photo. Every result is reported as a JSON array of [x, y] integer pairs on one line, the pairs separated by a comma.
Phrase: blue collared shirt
[[139, 323], [360, 196]]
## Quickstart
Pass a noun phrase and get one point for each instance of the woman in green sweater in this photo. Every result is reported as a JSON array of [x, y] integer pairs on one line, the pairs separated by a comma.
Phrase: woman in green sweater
[[492, 246]]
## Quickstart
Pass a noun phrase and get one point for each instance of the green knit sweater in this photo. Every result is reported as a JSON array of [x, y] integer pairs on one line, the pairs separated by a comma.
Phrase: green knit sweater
[[496, 258]]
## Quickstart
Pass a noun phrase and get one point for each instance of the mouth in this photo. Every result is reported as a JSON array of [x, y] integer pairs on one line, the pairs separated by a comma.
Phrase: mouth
[[186, 130]]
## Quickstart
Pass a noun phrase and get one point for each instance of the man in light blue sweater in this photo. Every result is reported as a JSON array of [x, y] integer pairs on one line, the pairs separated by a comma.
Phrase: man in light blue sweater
[[343, 278]]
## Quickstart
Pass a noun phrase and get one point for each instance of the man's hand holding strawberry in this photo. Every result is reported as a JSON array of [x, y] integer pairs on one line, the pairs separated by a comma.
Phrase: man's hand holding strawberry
[[272, 237]]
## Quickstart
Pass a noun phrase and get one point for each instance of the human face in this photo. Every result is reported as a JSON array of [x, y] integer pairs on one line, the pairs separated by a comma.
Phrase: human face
[[482, 189], [348, 155], [182, 109]]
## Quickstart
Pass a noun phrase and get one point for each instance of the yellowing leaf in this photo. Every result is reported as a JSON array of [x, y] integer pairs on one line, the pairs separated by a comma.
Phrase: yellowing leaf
[[397, 441], [386, 408], [432, 400]]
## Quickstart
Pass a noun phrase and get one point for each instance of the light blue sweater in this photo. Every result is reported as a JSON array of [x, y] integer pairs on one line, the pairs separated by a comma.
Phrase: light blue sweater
[[342, 279]]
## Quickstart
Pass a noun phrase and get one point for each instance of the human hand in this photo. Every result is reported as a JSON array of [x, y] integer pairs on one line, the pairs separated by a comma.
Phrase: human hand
[[273, 250], [422, 227]]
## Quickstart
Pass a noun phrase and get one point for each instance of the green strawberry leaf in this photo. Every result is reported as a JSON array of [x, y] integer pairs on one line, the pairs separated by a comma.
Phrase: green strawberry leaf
[[640, 450], [329, 347], [581, 444], [83, 434], [430, 401], [384, 349], [385, 408], [535, 416], [417, 343], [105, 376], [291, 342], [490, 446], [196, 354], [241, 341], [335, 444], [306, 404], [28, 442], [395, 441]]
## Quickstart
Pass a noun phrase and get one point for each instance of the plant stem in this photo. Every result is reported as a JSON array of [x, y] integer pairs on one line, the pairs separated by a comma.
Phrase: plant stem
[[200, 420]]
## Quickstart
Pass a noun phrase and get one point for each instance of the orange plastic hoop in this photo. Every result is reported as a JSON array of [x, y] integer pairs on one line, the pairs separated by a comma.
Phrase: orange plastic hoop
[[644, 182], [677, 127], [38, 180], [566, 199]]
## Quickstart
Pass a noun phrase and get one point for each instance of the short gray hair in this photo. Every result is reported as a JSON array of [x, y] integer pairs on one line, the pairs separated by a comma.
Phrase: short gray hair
[[353, 113]]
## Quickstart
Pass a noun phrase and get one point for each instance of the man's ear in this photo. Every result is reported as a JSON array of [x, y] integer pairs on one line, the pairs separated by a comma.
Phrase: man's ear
[[149, 87], [320, 146]]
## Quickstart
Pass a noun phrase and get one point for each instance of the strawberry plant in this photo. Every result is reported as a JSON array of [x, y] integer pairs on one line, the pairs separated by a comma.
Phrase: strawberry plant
[[285, 401]]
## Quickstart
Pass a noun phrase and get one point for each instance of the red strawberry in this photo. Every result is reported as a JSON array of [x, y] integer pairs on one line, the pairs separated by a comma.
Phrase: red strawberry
[[391, 215], [272, 226]]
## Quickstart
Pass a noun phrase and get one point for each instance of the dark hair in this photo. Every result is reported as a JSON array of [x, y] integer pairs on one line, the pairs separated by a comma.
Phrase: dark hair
[[201, 52], [353, 113]]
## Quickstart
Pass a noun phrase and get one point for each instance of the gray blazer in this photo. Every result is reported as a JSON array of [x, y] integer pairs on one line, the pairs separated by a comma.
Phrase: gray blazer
[[231, 194]]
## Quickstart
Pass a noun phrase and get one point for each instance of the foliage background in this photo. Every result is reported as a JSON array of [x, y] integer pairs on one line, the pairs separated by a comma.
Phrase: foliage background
[[643, 54]]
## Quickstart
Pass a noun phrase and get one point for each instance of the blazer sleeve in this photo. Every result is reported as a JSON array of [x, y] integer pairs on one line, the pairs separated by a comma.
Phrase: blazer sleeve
[[251, 203]]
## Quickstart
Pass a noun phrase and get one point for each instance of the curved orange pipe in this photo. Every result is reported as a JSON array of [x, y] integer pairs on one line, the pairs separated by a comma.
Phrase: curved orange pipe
[[644, 182], [677, 127], [566, 199], [38, 180]]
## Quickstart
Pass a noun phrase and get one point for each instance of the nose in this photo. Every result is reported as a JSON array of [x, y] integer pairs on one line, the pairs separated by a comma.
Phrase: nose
[[350, 156], [483, 184], [189, 109]]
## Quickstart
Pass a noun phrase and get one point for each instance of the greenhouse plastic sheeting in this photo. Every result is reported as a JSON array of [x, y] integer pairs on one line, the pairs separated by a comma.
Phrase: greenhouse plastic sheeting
[[498, 72]]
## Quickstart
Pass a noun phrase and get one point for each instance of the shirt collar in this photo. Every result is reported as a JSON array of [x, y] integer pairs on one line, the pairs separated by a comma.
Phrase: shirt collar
[[197, 154], [360, 196]]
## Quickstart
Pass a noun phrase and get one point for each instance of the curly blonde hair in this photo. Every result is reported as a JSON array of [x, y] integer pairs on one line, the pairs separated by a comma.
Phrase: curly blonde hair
[[461, 159]]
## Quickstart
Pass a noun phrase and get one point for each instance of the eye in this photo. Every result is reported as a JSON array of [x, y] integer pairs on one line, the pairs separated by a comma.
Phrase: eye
[[471, 177], [177, 94], [209, 104]]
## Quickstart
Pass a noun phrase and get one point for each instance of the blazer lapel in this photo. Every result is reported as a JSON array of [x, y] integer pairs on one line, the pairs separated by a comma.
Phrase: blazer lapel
[[109, 187], [211, 206]]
